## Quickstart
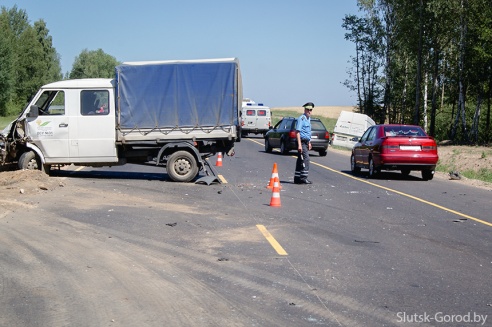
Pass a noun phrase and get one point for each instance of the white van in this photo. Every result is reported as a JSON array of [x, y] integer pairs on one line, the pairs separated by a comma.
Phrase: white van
[[349, 128], [255, 118]]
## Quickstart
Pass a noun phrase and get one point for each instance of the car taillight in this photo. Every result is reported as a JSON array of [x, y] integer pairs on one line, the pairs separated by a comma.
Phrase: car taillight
[[292, 134], [327, 135], [388, 147], [242, 123], [429, 147]]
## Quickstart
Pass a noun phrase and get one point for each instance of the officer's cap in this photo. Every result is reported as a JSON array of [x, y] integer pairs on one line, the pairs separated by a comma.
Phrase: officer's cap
[[309, 105]]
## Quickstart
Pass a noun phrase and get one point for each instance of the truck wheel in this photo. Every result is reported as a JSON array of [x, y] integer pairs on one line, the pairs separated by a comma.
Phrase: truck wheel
[[29, 160], [182, 166]]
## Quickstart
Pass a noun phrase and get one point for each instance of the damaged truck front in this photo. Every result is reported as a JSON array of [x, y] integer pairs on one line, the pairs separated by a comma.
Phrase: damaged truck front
[[173, 114]]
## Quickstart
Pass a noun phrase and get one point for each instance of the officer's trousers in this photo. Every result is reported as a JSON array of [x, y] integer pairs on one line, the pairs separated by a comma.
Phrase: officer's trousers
[[302, 163]]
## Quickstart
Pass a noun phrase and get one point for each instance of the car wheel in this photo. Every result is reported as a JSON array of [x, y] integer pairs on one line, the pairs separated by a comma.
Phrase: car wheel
[[283, 147], [353, 166], [373, 171], [405, 172], [268, 147], [29, 160], [322, 153], [427, 174]]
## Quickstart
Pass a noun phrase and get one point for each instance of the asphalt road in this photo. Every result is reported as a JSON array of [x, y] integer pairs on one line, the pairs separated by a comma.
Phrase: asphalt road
[[126, 247]]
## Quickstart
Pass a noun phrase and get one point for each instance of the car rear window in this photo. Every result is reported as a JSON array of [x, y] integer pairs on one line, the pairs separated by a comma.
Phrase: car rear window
[[404, 131], [317, 125], [250, 112], [261, 112]]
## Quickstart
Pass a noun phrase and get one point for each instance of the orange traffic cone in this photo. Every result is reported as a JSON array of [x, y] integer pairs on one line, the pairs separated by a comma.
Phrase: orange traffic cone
[[274, 174], [275, 200], [218, 163]]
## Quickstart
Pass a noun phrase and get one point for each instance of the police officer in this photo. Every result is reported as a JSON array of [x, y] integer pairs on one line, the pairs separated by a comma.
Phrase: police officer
[[303, 134]]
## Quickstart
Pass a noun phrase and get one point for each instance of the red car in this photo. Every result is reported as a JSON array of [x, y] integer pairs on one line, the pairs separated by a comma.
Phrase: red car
[[395, 147]]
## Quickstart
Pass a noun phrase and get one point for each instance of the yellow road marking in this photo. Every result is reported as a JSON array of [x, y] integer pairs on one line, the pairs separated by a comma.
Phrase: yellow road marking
[[407, 195], [401, 193], [273, 242], [222, 179]]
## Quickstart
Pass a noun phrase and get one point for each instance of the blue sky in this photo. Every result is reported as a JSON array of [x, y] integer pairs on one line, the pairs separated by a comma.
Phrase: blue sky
[[290, 51]]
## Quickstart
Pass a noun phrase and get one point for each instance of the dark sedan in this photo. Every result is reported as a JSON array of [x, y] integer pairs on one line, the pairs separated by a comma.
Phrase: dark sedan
[[395, 147], [283, 136]]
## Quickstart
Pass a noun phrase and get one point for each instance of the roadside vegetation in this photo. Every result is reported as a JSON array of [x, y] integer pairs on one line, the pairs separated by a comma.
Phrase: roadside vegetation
[[426, 63], [4, 121]]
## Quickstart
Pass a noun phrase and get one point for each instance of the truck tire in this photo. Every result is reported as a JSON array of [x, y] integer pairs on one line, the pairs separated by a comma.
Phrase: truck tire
[[182, 167], [29, 160]]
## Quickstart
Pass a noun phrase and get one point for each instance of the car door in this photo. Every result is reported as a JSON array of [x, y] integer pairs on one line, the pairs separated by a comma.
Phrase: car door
[[361, 151], [368, 145], [49, 128], [249, 119], [274, 134]]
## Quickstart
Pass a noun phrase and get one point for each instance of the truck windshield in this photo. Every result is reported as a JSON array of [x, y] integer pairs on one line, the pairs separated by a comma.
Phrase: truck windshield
[[51, 103]]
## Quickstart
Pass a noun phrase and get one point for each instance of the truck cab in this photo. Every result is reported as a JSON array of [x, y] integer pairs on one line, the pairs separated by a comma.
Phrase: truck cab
[[71, 122]]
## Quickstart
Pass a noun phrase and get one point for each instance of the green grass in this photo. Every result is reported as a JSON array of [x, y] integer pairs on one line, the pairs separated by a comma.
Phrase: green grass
[[4, 121], [482, 174]]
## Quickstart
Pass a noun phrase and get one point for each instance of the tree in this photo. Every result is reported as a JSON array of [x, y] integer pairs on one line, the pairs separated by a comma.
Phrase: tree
[[365, 32], [27, 60], [51, 59], [6, 66], [440, 49], [93, 64]]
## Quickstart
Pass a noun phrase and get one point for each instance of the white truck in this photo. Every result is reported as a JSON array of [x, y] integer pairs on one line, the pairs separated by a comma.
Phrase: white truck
[[349, 128], [255, 118], [173, 114]]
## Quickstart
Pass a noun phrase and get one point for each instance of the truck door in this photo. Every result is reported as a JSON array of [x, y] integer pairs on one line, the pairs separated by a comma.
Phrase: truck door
[[92, 134], [49, 129]]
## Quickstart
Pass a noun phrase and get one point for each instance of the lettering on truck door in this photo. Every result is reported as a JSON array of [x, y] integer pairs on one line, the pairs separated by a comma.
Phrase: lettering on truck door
[[49, 130]]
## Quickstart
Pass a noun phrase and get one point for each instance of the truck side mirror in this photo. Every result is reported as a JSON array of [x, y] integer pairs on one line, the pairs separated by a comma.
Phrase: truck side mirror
[[33, 111]]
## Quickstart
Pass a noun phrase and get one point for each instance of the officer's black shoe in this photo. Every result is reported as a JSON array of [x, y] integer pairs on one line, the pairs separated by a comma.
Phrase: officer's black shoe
[[305, 181], [297, 181]]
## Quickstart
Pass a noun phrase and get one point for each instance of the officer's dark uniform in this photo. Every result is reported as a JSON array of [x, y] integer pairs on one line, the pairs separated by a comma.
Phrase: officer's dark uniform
[[302, 164]]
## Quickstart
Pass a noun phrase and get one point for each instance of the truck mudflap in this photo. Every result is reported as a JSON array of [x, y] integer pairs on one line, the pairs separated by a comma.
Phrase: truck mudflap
[[211, 174]]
